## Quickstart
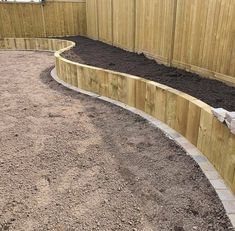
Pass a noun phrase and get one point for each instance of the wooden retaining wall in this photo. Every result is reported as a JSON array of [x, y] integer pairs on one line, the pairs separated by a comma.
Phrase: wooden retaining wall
[[196, 35], [42, 44], [54, 18], [187, 115]]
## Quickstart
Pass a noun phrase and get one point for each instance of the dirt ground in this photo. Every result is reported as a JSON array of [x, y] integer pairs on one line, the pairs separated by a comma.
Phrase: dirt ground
[[95, 53], [71, 162]]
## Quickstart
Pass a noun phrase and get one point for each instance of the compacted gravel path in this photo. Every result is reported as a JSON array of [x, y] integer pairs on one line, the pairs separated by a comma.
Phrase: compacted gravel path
[[71, 162]]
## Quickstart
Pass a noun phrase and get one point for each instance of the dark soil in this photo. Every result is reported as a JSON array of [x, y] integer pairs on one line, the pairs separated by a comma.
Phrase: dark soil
[[95, 53], [71, 162]]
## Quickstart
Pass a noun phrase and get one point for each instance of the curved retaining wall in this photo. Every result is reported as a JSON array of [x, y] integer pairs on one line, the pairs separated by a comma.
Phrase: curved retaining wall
[[187, 115], [35, 44]]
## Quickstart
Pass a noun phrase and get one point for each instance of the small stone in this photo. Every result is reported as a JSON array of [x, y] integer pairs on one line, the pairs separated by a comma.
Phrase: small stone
[[219, 113]]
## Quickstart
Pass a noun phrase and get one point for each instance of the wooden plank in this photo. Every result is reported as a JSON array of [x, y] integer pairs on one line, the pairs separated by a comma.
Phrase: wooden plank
[[92, 19], [90, 82], [80, 77], [103, 82], [205, 130], [150, 99], [105, 21], [217, 134], [73, 70], [171, 104], [131, 91], [182, 106], [193, 122], [160, 102], [140, 94], [2, 44], [113, 86], [225, 156], [124, 24], [122, 88]]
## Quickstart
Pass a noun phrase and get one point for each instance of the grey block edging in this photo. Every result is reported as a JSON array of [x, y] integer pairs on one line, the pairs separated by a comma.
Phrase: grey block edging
[[224, 193]]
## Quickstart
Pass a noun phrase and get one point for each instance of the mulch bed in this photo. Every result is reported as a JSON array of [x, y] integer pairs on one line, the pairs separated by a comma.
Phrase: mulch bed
[[95, 53]]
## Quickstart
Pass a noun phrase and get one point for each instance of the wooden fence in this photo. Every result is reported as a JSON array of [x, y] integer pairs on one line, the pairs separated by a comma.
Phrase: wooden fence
[[54, 18], [197, 35]]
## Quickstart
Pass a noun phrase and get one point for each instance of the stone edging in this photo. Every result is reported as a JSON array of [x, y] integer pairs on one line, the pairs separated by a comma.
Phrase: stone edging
[[224, 193]]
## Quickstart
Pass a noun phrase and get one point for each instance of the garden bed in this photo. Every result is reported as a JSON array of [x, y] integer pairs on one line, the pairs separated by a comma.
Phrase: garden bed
[[95, 53]]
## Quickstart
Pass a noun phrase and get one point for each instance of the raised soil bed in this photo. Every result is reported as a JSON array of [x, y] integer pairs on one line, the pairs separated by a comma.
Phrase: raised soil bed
[[95, 53]]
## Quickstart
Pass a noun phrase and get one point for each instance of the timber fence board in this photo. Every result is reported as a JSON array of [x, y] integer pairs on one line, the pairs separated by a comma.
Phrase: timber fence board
[[42, 20]]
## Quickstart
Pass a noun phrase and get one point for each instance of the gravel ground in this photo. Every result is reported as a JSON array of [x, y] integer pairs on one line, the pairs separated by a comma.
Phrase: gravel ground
[[71, 162]]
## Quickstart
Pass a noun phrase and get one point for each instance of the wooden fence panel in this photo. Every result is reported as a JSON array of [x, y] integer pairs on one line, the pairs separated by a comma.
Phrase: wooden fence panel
[[21, 20], [105, 21], [154, 28], [92, 19], [124, 24], [204, 37], [38, 20], [65, 18]]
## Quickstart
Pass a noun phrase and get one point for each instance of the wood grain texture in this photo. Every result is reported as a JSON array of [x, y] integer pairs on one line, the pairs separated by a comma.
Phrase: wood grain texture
[[204, 38], [92, 19], [154, 25], [124, 24], [37, 20], [105, 20]]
